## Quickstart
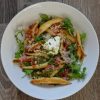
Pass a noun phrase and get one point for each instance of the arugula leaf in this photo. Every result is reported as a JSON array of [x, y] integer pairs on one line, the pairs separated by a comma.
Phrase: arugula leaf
[[72, 50], [44, 18], [62, 70], [78, 75], [39, 38], [75, 68], [20, 44], [17, 54], [67, 24], [83, 37], [27, 71], [83, 73]]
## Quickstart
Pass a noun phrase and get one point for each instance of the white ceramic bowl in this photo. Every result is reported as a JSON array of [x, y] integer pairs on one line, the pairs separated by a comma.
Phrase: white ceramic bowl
[[26, 17]]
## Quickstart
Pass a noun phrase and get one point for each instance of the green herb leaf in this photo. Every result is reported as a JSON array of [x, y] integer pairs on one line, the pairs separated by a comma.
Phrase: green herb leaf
[[83, 37], [39, 38], [72, 50], [67, 24], [20, 44], [17, 54], [75, 68], [44, 18], [83, 73], [27, 63], [78, 75], [62, 70], [27, 71]]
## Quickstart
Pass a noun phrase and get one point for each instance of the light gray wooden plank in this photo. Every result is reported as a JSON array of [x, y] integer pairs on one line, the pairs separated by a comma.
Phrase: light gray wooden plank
[[24, 3], [2, 11], [10, 9]]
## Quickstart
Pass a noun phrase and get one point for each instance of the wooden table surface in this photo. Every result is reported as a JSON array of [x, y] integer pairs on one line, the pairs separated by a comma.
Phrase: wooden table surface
[[8, 8]]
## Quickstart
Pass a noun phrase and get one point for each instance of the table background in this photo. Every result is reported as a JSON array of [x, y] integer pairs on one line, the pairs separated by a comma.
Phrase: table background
[[8, 8]]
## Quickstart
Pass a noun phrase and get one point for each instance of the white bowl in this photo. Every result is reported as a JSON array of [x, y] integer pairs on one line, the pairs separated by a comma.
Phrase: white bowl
[[26, 17]]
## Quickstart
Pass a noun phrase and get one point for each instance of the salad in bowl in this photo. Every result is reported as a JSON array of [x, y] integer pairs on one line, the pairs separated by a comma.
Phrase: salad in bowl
[[51, 51]]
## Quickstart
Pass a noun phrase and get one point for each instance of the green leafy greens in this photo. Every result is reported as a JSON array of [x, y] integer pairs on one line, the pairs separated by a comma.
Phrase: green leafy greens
[[67, 24], [44, 18], [72, 50], [76, 72], [38, 39], [27, 71], [75, 67], [20, 44], [83, 37]]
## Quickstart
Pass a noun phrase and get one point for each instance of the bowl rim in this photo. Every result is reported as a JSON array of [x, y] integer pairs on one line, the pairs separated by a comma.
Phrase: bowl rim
[[37, 4]]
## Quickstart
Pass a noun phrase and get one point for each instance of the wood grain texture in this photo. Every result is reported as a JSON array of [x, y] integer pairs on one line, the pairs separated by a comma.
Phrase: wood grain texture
[[8, 8], [2, 11]]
